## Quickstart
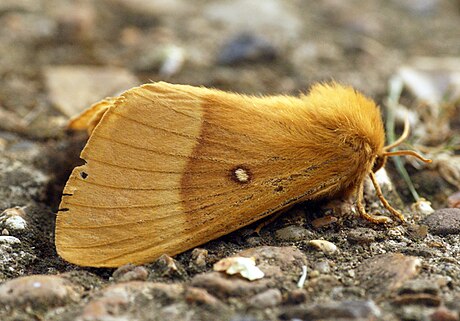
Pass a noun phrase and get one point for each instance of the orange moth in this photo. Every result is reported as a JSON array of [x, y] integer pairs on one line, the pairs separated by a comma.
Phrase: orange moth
[[170, 167]]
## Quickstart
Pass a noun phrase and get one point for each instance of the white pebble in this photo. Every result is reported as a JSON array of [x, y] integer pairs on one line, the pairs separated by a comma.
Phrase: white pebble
[[7, 239], [324, 246], [15, 222]]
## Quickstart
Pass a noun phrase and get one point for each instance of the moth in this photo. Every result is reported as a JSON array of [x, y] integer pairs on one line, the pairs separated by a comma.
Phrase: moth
[[169, 167]]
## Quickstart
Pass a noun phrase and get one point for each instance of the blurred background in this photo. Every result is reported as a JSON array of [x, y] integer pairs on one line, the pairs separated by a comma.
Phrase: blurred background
[[58, 56]]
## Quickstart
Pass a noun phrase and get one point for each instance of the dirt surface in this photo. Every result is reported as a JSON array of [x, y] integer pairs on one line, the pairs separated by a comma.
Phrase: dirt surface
[[58, 57]]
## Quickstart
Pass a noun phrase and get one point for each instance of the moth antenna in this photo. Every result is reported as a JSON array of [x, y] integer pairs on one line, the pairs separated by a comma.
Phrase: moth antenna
[[408, 153], [383, 200], [401, 138], [362, 210]]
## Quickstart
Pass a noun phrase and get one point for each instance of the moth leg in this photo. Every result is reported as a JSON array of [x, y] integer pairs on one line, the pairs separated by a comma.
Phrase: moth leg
[[362, 211], [383, 200]]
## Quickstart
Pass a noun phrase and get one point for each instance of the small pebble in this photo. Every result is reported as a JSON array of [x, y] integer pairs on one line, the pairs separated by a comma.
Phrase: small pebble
[[322, 267], [323, 221], [244, 266], [166, 266], [296, 296], [199, 257], [454, 200], [444, 314], [314, 274], [444, 221], [422, 208], [6, 239], [417, 232], [292, 233], [14, 218], [266, 299], [130, 272], [324, 246], [15, 223]]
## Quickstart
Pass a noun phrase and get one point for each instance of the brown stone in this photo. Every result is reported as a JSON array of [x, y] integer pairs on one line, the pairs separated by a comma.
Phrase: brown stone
[[117, 300], [200, 296], [387, 272], [222, 285], [38, 291], [346, 310], [444, 221], [267, 299], [444, 314], [130, 272], [74, 88]]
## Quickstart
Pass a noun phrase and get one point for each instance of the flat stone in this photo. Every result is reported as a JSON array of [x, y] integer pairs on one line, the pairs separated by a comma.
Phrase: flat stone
[[387, 272], [38, 291], [127, 301], [346, 310], [222, 286], [74, 88], [444, 221]]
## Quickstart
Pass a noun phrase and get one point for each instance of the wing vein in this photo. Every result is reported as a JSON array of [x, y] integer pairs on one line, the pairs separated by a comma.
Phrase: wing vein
[[142, 169], [211, 159], [201, 139], [145, 188]]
